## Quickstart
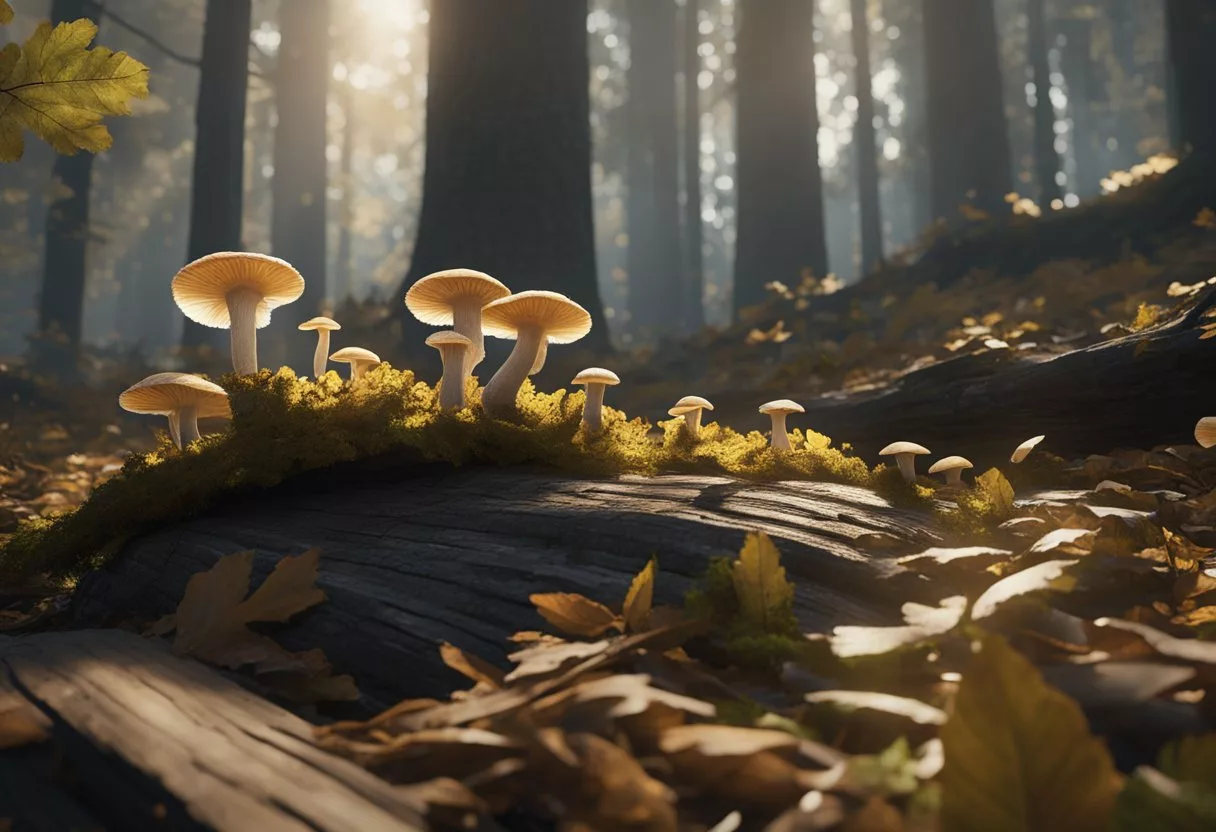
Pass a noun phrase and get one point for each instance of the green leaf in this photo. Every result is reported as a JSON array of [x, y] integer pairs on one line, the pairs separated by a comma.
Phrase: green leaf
[[640, 598], [1018, 753], [60, 89], [6, 12], [1191, 760], [993, 485], [1154, 802], [764, 593]]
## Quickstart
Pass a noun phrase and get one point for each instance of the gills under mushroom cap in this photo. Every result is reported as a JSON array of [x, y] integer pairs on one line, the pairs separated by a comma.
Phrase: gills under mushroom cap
[[432, 298], [1205, 431], [165, 393], [201, 288], [562, 320]]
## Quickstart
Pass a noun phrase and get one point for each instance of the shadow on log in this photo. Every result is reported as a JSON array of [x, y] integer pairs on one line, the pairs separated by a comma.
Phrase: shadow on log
[[413, 557]]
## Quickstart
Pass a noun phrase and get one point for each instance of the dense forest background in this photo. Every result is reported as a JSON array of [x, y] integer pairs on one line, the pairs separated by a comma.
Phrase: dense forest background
[[666, 175]]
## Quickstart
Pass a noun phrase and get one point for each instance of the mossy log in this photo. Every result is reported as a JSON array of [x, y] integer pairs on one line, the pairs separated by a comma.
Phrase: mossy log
[[412, 557]]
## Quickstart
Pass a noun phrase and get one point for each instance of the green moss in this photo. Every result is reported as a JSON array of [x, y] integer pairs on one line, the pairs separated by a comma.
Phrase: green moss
[[283, 426]]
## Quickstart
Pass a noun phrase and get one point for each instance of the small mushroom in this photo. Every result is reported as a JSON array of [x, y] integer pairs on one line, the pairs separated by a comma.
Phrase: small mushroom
[[690, 408], [534, 319], [595, 380], [455, 298], [323, 326], [236, 291], [905, 454], [453, 350], [359, 359], [1205, 432], [1022, 451], [952, 467], [182, 397], [778, 410]]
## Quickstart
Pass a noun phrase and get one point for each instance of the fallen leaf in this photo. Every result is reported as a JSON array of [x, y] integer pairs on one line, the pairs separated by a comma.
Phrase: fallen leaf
[[574, 614], [923, 623], [1071, 542], [850, 700], [288, 590], [942, 556], [21, 723], [996, 488], [473, 667], [1048, 575], [640, 598], [1154, 802], [763, 591], [1187, 649]]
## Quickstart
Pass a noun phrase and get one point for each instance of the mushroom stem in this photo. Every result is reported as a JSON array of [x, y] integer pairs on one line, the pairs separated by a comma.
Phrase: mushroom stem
[[242, 313], [692, 423], [500, 395], [907, 466], [175, 430], [357, 369], [954, 476], [451, 386], [593, 409], [187, 419], [541, 355], [781, 439], [320, 358], [466, 319]]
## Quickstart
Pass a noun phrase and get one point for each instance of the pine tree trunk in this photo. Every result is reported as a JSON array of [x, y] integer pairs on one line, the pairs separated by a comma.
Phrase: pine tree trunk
[[969, 153], [1047, 161], [780, 193], [694, 232], [298, 228], [1191, 26], [865, 144], [653, 210], [219, 151], [507, 186]]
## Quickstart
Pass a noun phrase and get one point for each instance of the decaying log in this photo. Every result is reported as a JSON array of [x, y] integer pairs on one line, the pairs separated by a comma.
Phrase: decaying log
[[411, 558], [140, 739]]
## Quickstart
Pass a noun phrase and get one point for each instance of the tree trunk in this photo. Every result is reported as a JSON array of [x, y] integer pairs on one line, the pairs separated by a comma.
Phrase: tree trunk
[[298, 228], [1191, 26], [219, 150], [969, 152], [507, 186], [865, 144], [694, 231], [780, 193], [1047, 161], [1082, 88], [65, 266], [344, 265]]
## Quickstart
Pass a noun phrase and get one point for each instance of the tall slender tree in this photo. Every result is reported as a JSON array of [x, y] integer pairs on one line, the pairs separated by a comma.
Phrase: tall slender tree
[[694, 231], [968, 137], [219, 150], [780, 227], [1078, 70], [865, 143], [507, 185], [344, 262], [1191, 28], [1047, 160], [653, 210]]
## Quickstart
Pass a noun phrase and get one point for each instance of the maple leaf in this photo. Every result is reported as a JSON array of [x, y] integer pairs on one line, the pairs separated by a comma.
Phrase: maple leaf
[[60, 89], [763, 591], [640, 598]]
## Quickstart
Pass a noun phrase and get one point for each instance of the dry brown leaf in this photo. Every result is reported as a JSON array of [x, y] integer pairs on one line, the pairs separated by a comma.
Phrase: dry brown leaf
[[1049, 575], [545, 658], [574, 614], [288, 590], [471, 666], [913, 709], [21, 723], [923, 623]]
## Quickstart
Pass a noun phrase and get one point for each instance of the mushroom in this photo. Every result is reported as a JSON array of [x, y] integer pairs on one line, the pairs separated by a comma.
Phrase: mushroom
[[455, 298], [952, 467], [323, 326], [595, 379], [453, 350], [533, 319], [690, 408], [1205, 431], [236, 290], [905, 454], [359, 359], [1022, 451], [184, 398], [778, 410]]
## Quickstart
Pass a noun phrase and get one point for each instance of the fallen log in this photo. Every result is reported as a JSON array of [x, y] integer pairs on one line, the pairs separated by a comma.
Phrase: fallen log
[[136, 738], [412, 558]]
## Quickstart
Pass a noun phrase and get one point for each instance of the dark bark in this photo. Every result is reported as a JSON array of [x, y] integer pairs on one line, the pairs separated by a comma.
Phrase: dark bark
[[1082, 90], [780, 193], [1191, 27], [150, 741], [653, 207], [694, 231], [1047, 161], [507, 186], [298, 230], [413, 556], [968, 138], [217, 187], [865, 144]]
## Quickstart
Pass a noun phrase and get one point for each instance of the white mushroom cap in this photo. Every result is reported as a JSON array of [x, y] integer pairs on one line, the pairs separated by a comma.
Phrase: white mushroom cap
[[432, 298], [950, 463], [782, 406], [1022, 451], [163, 394], [596, 375], [689, 404], [355, 355], [201, 288], [447, 338], [328, 324], [903, 448], [1205, 432], [562, 320]]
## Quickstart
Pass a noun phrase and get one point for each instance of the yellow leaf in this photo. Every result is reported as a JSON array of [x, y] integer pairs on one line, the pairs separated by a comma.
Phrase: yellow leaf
[[1019, 755], [6, 12], [993, 485], [574, 614], [760, 583], [640, 598], [60, 89]]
